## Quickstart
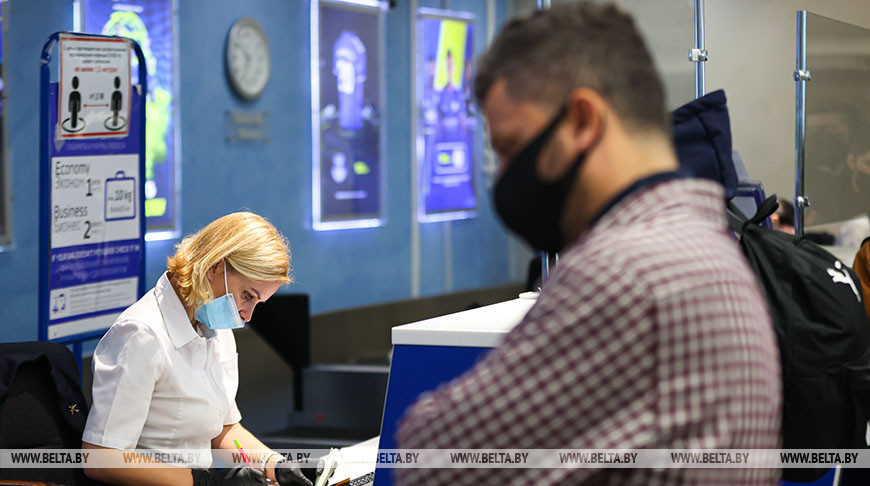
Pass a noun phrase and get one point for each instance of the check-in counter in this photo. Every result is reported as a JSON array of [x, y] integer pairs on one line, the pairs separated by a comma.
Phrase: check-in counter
[[434, 351]]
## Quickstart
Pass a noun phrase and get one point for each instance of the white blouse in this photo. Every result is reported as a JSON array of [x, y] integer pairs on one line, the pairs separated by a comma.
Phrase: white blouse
[[160, 384]]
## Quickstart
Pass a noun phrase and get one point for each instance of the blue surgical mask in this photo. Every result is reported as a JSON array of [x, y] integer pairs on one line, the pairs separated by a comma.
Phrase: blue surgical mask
[[220, 313]]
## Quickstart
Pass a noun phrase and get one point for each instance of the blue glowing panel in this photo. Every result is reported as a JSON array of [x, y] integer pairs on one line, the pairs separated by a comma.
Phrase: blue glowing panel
[[148, 22], [3, 196], [347, 163], [447, 121]]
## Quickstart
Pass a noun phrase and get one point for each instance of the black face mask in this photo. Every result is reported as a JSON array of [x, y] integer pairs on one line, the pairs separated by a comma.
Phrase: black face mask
[[530, 207]]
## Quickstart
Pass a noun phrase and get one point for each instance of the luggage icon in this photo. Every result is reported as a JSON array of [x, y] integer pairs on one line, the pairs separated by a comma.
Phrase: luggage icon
[[120, 197]]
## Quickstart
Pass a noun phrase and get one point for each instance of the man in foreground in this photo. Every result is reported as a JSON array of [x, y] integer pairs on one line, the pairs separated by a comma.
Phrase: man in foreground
[[651, 332]]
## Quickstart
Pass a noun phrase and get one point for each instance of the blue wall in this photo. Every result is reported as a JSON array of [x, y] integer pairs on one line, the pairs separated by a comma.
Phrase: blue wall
[[26, 24], [340, 269]]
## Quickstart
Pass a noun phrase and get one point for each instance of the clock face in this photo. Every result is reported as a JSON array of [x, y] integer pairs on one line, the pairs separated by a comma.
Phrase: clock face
[[248, 62]]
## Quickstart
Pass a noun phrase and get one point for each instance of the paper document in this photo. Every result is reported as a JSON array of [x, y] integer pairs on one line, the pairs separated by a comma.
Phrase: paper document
[[358, 465]]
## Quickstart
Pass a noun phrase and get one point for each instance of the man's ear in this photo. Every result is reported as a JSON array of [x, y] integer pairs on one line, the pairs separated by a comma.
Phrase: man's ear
[[850, 161], [587, 111]]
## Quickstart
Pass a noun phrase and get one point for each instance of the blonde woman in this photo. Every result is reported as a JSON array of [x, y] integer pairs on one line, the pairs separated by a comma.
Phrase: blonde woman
[[166, 372]]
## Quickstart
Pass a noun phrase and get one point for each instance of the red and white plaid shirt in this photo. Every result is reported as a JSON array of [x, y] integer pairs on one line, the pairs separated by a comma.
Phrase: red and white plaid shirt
[[651, 334]]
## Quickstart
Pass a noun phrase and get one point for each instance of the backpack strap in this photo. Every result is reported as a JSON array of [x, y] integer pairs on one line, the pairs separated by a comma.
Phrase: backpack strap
[[768, 207], [736, 218], [738, 222]]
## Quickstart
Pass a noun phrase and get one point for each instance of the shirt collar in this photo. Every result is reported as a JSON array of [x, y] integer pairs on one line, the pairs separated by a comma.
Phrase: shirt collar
[[703, 198], [648, 201], [174, 316], [637, 185]]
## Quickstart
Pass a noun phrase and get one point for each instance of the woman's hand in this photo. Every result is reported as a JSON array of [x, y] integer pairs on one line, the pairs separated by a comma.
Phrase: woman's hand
[[239, 476], [290, 474]]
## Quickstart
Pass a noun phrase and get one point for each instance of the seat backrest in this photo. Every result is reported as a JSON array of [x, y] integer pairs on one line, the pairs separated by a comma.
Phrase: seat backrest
[[32, 412], [748, 198], [739, 167]]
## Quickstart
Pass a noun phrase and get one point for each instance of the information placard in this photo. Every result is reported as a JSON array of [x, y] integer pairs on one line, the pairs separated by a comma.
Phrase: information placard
[[94, 87], [92, 241], [447, 121], [348, 116]]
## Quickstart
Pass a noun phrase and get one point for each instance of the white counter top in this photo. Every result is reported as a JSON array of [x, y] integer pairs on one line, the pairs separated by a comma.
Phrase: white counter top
[[483, 327]]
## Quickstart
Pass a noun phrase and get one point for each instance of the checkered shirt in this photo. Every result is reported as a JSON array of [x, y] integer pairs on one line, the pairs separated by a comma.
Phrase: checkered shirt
[[651, 333]]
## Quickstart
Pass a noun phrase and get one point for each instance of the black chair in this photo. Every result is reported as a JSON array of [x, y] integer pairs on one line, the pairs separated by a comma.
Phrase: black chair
[[41, 407]]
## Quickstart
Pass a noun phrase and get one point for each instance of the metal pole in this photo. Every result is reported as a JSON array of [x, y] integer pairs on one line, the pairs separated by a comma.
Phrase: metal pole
[[545, 267], [545, 257], [698, 55], [415, 225], [801, 76]]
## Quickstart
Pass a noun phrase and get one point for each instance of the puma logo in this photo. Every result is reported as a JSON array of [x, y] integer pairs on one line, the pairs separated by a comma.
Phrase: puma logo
[[841, 275]]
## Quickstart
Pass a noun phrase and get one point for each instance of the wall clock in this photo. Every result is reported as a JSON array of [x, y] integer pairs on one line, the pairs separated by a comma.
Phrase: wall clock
[[247, 58]]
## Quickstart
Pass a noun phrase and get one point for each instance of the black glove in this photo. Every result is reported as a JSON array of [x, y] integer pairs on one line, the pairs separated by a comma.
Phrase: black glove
[[238, 476], [290, 474]]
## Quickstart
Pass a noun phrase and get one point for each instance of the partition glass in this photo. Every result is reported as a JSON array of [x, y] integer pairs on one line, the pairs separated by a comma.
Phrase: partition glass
[[837, 151]]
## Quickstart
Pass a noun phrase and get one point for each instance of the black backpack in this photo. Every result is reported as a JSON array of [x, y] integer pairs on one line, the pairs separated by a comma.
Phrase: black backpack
[[818, 314]]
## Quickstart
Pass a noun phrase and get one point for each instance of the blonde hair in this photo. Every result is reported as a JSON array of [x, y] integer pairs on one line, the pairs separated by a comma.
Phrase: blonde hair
[[247, 242]]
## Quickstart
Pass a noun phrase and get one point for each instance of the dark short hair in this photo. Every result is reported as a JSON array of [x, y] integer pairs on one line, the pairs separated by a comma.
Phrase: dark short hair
[[785, 212], [547, 54]]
